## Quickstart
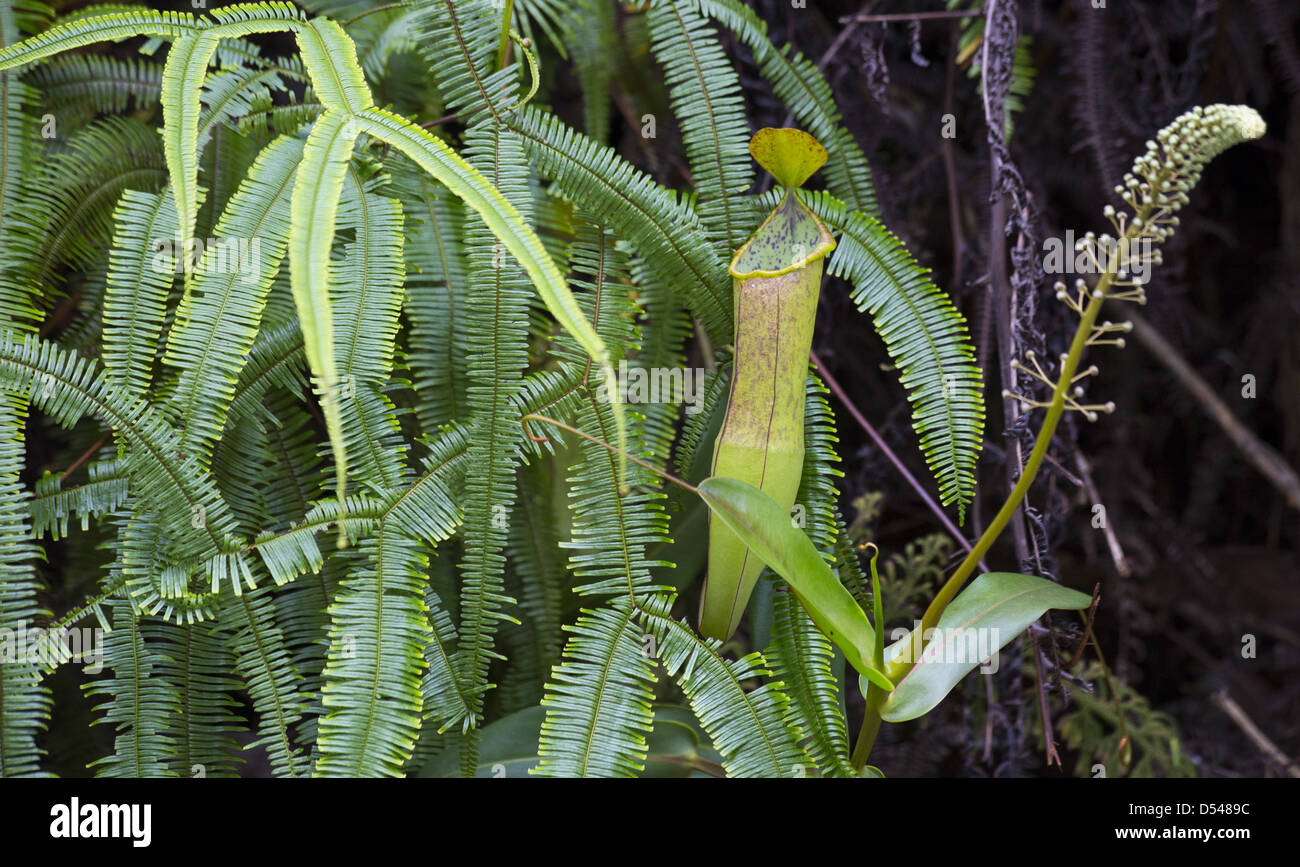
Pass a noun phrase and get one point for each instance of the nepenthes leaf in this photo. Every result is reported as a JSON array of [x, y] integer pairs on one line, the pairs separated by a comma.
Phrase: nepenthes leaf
[[772, 539]]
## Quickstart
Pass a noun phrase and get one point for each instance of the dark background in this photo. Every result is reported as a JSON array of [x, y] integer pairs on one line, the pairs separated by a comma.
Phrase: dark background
[[1208, 541]]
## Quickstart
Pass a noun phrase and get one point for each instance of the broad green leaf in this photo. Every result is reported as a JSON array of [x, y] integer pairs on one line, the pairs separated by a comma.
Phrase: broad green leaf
[[766, 528], [790, 155], [677, 743], [135, 302], [507, 748], [983, 619]]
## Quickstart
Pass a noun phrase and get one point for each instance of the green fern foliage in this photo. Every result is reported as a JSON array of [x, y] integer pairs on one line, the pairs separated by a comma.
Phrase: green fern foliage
[[706, 100], [358, 417], [749, 728], [925, 336], [798, 82], [599, 710], [25, 710]]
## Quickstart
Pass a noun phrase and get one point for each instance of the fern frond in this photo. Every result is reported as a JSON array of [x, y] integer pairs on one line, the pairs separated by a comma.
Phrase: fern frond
[[139, 280], [537, 578], [18, 143], [175, 488], [599, 700], [302, 610], [460, 39], [318, 184], [66, 214], [275, 361], [368, 299], [665, 331], [241, 461], [373, 436], [154, 583], [115, 24], [695, 442], [196, 661], [141, 705], [847, 566], [276, 14], [593, 45], [817, 492], [293, 552], [803, 658], [804, 90], [437, 295], [500, 217], [925, 336], [651, 219], [52, 504], [263, 663], [79, 86], [379, 632], [223, 165], [446, 703], [182, 85], [300, 478], [331, 61], [372, 676], [264, 115], [498, 334], [369, 296], [747, 727], [380, 35], [612, 531], [231, 94], [706, 99], [218, 320], [24, 699]]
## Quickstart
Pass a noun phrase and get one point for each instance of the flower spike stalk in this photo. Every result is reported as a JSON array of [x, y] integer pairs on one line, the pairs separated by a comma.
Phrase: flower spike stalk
[[776, 282], [1154, 191]]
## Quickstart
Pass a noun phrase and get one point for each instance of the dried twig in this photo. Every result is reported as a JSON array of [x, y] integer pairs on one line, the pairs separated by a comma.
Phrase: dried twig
[[1224, 702], [1112, 541], [86, 456], [1044, 713], [1263, 456]]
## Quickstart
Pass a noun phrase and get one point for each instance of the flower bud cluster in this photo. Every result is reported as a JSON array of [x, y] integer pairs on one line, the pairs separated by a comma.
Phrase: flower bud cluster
[[1172, 164]]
